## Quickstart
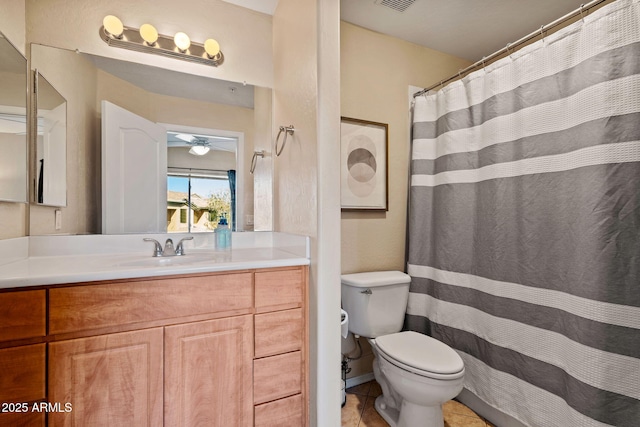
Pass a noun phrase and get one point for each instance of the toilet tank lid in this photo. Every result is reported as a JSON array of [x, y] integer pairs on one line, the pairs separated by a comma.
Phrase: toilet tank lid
[[375, 278]]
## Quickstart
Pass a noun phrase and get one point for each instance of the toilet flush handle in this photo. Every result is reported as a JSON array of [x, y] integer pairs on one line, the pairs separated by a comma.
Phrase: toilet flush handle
[[366, 291]]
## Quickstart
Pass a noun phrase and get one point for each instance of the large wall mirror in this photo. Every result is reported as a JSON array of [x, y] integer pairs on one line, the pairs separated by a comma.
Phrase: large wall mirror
[[209, 129], [13, 123]]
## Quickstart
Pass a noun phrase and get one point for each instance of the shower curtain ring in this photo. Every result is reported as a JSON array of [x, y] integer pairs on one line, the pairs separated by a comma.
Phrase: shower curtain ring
[[581, 12], [483, 65], [509, 50]]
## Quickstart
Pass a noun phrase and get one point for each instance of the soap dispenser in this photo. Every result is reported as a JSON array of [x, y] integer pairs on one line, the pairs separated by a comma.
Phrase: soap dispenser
[[223, 234]]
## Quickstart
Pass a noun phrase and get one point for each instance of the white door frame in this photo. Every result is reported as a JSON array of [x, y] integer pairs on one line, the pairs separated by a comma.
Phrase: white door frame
[[239, 161]]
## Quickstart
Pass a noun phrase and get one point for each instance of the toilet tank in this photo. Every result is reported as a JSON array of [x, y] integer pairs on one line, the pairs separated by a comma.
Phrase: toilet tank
[[375, 301]]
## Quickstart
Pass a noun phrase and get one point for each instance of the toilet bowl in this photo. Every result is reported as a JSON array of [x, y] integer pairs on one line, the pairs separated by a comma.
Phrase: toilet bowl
[[420, 373], [417, 373]]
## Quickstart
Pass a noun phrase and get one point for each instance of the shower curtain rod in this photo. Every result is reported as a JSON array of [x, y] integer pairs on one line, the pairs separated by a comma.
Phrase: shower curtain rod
[[584, 8]]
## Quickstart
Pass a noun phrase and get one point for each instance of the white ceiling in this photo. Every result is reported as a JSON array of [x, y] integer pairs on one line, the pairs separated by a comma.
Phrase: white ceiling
[[468, 29]]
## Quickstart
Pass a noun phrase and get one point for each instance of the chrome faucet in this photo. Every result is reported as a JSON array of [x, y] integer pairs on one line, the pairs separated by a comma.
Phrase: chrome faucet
[[169, 249]]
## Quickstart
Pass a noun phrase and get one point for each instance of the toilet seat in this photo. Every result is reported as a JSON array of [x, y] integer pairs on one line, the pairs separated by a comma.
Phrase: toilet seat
[[421, 355]]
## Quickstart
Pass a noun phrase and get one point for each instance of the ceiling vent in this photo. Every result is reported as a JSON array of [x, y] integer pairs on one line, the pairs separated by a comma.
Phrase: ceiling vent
[[397, 5]]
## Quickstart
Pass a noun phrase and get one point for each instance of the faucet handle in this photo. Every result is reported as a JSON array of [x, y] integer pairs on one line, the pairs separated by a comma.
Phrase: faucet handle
[[157, 251], [180, 247]]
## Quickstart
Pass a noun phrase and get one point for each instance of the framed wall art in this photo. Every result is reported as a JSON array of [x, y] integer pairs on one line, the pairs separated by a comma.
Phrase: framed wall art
[[363, 165]]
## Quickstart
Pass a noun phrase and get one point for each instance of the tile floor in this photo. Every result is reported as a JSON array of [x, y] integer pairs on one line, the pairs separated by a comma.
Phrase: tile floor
[[360, 412]]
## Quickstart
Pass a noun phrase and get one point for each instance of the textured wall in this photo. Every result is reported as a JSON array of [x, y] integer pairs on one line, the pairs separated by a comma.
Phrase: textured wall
[[306, 83], [376, 71]]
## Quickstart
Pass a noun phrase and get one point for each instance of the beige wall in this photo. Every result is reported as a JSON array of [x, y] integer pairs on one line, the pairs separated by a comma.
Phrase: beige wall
[[306, 82], [12, 23], [74, 24], [376, 71], [13, 221], [263, 172]]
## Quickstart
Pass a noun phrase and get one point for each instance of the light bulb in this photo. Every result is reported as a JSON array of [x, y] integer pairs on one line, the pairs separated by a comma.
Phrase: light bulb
[[182, 41], [113, 26], [149, 34], [212, 48], [199, 150]]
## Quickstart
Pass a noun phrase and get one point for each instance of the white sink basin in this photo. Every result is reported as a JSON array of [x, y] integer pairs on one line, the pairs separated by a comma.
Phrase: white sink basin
[[149, 261]]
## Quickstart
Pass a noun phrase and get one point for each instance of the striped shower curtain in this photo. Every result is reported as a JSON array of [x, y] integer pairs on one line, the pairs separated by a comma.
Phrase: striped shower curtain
[[524, 229]]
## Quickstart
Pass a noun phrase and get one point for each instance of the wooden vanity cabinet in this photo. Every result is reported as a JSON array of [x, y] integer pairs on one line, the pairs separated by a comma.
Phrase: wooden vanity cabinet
[[211, 349], [22, 357]]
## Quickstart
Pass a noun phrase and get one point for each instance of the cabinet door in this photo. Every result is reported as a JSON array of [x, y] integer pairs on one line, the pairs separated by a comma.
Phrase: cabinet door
[[22, 376], [208, 373], [109, 380]]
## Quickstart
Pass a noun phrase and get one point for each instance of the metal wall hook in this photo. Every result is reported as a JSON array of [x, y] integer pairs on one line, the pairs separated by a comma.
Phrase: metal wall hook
[[288, 130], [254, 160]]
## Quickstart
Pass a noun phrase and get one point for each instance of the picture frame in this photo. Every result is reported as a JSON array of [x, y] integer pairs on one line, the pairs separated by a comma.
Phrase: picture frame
[[364, 175]]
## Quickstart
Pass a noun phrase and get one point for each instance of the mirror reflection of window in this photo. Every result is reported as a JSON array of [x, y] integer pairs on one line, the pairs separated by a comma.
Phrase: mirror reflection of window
[[196, 202]]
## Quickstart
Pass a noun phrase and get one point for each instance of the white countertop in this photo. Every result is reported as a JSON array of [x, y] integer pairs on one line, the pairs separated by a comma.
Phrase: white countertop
[[49, 260]]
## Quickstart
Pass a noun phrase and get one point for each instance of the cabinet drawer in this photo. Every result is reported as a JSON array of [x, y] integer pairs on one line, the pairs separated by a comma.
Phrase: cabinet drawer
[[280, 413], [276, 377], [23, 373], [277, 290], [111, 305], [22, 315], [278, 332]]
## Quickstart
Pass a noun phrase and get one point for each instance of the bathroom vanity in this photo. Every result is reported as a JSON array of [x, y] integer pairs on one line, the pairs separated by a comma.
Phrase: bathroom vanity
[[224, 344]]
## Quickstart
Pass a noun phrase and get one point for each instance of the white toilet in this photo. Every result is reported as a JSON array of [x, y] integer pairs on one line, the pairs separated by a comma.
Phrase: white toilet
[[417, 373]]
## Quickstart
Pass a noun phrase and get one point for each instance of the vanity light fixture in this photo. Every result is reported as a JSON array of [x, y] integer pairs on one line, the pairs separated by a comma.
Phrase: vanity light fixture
[[149, 34], [147, 40], [212, 48], [113, 26], [182, 41]]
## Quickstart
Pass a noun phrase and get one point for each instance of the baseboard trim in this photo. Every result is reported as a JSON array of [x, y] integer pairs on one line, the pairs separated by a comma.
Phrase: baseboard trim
[[361, 379]]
